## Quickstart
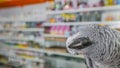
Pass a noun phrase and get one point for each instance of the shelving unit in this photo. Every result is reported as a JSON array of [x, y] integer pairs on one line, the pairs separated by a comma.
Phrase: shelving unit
[[29, 59], [43, 49], [81, 23], [25, 29], [17, 38], [117, 7], [50, 35], [112, 24], [107, 8]]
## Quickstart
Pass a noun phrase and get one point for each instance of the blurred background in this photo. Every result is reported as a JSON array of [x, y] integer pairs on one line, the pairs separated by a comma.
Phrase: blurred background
[[33, 32]]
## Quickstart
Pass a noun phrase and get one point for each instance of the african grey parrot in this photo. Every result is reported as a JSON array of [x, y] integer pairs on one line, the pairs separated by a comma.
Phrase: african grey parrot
[[99, 44]]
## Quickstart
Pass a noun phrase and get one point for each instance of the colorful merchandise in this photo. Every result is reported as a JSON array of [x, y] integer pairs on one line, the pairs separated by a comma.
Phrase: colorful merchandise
[[78, 4], [68, 5], [118, 2]]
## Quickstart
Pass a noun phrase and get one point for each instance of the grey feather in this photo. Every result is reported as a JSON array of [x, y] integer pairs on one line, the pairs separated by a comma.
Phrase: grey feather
[[104, 52]]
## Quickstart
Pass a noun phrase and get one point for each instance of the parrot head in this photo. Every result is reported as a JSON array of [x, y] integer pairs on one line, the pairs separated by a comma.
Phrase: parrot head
[[76, 44], [84, 38], [80, 43]]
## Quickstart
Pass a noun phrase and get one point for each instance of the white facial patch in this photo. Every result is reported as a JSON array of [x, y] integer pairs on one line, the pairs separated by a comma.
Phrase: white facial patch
[[69, 41]]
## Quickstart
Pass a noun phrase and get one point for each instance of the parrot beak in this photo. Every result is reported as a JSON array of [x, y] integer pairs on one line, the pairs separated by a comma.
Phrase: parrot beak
[[80, 43]]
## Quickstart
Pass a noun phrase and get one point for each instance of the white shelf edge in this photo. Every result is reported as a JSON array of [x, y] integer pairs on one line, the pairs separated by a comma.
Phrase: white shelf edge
[[50, 35], [22, 39], [29, 29], [25, 29], [67, 23], [23, 20], [115, 7], [81, 23]]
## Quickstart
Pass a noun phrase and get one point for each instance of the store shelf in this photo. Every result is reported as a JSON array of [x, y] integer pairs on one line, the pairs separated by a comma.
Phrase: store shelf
[[14, 38], [32, 59], [51, 35], [66, 54], [45, 51], [66, 23], [81, 23], [20, 57], [30, 29], [50, 52], [25, 29], [116, 7], [56, 53], [24, 19]]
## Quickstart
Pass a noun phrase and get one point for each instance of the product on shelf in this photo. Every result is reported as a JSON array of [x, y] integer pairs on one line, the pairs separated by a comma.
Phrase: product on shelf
[[95, 3], [111, 16], [58, 18], [75, 4], [3, 59], [67, 31], [82, 4], [47, 30], [51, 19], [58, 30], [53, 30], [20, 25], [118, 2], [26, 53], [58, 5], [55, 41], [68, 5], [20, 35], [7, 25], [109, 2], [62, 31], [51, 6], [10, 62], [76, 17], [34, 24], [25, 45], [78, 4], [33, 44], [69, 17]]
